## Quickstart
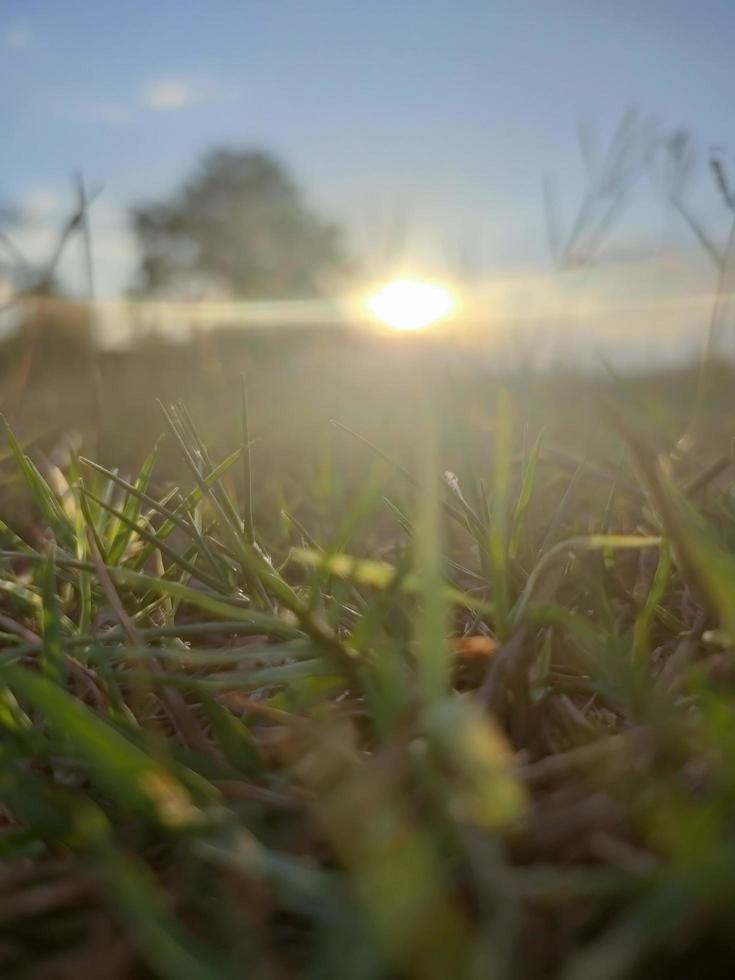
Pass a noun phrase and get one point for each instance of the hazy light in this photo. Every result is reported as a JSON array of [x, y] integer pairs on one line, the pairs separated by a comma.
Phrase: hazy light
[[408, 304]]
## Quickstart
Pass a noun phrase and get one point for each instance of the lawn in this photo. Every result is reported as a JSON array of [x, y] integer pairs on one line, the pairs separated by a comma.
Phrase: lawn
[[366, 668]]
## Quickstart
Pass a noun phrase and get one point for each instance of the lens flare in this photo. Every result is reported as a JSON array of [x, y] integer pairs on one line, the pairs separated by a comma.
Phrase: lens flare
[[408, 304]]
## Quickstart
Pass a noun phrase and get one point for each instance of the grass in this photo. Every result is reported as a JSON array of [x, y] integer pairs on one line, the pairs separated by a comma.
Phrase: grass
[[478, 725]]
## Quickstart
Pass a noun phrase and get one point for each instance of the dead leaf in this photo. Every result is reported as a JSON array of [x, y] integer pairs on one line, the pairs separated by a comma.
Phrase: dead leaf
[[474, 646]]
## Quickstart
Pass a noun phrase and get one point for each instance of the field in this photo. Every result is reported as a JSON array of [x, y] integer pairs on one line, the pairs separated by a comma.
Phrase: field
[[368, 667]]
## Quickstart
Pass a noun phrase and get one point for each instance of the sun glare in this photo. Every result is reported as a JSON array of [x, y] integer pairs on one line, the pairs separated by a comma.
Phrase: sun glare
[[408, 304]]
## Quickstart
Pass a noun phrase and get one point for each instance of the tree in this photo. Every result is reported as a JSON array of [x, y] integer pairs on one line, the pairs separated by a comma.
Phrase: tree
[[238, 227]]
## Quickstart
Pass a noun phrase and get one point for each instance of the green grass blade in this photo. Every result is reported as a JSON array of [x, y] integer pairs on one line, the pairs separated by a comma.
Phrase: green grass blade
[[129, 774]]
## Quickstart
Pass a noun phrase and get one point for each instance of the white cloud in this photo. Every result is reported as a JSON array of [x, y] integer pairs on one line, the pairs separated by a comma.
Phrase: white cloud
[[170, 93], [167, 93], [18, 36]]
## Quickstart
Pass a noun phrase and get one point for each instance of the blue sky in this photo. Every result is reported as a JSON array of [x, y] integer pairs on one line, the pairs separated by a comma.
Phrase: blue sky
[[449, 112]]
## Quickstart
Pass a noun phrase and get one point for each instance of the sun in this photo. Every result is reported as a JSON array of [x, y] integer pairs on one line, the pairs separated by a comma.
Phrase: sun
[[410, 304]]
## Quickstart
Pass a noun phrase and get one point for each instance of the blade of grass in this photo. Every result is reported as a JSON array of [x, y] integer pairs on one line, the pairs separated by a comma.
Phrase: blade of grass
[[127, 772], [591, 542], [431, 624], [247, 467], [499, 524]]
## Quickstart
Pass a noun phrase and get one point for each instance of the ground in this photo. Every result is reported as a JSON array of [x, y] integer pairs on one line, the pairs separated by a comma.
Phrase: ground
[[442, 689]]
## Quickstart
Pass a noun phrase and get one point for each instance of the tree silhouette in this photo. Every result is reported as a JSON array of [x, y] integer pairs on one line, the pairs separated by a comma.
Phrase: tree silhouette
[[238, 227]]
